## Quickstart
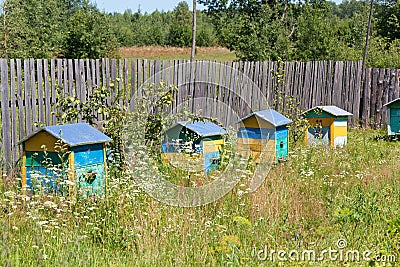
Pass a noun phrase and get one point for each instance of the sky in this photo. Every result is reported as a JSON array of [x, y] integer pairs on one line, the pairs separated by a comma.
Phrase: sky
[[145, 5]]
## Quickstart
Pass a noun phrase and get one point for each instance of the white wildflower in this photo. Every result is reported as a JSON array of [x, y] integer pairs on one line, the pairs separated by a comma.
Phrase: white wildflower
[[41, 223], [50, 205]]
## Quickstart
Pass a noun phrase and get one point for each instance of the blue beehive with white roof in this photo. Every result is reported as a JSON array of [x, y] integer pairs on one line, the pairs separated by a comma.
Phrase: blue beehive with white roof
[[265, 132], [197, 145], [71, 155]]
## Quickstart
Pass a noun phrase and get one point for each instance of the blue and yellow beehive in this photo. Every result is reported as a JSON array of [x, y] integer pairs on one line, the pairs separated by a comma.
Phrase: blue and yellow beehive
[[328, 126], [74, 150], [196, 145], [265, 132], [393, 109]]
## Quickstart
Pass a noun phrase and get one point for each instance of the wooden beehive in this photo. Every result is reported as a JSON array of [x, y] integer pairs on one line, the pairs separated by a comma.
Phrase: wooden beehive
[[328, 126], [76, 151], [196, 145], [393, 111], [266, 132]]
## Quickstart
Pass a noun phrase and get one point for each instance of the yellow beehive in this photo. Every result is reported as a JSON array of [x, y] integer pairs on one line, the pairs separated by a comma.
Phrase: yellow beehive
[[328, 126]]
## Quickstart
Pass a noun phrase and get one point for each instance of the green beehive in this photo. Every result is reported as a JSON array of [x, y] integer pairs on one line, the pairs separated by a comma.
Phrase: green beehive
[[393, 111], [206, 139]]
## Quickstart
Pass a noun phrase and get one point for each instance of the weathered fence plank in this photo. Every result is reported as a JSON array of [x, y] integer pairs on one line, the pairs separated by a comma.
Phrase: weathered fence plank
[[21, 109], [82, 80], [133, 91], [328, 84], [366, 111], [358, 95], [28, 101], [139, 78], [5, 113], [33, 93], [47, 92], [113, 81], [29, 88], [14, 116], [41, 112], [263, 86]]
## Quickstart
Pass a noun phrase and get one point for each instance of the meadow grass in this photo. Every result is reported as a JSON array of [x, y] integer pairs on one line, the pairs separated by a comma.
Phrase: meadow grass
[[220, 54], [309, 202]]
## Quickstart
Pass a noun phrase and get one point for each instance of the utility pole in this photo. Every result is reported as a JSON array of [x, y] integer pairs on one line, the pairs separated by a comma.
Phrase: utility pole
[[368, 34], [364, 61], [193, 52], [3, 9]]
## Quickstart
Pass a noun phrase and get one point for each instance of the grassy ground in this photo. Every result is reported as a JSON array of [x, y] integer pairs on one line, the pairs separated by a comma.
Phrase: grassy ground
[[312, 201], [219, 54]]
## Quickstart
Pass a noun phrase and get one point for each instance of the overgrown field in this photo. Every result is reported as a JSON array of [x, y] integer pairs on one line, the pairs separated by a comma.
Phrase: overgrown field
[[173, 53], [319, 200]]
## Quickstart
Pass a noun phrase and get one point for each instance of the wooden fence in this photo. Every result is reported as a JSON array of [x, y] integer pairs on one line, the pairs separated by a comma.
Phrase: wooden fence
[[28, 88]]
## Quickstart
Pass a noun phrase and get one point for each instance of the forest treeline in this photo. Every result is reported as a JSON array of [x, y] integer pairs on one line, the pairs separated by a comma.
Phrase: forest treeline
[[256, 30]]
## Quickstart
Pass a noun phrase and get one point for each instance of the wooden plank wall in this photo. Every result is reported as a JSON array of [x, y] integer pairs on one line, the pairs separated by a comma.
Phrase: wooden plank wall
[[225, 91]]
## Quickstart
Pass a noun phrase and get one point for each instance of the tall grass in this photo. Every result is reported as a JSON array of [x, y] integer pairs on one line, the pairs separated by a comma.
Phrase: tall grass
[[219, 54], [309, 202]]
